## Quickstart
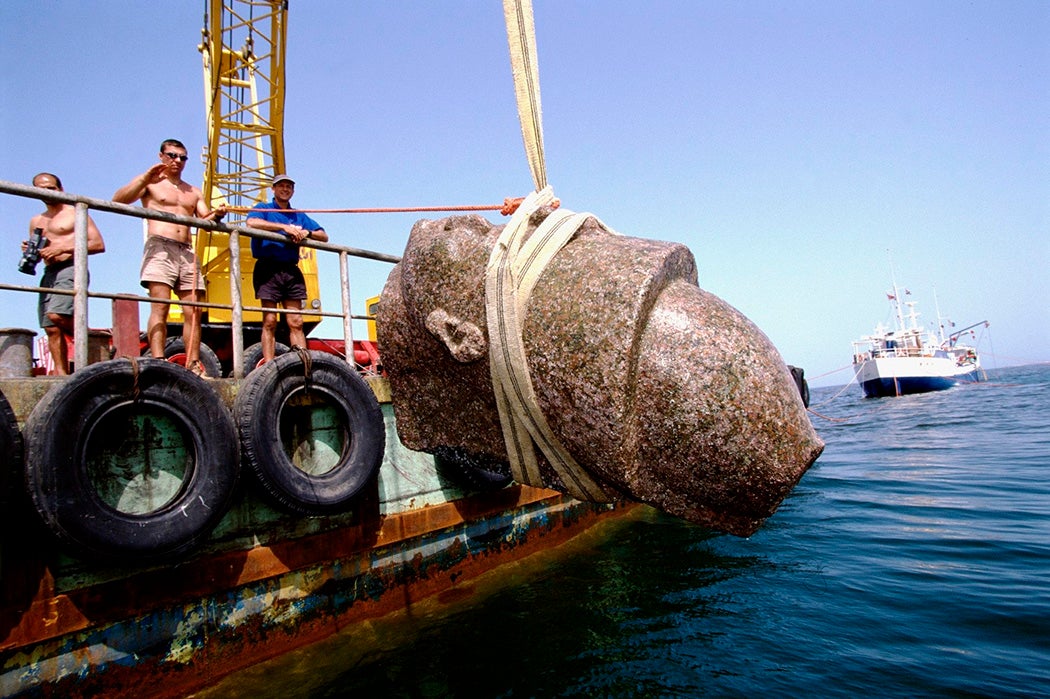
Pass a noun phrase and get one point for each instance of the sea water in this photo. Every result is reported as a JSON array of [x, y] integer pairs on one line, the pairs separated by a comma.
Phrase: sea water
[[913, 559]]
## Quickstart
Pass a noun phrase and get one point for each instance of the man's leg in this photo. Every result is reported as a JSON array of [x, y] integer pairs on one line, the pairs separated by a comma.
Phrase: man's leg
[[191, 328], [269, 327], [56, 341], [296, 337], [157, 326]]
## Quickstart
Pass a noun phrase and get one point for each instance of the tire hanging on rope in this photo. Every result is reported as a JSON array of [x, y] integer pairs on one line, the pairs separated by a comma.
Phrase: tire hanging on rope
[[311, 430], [131, 459]]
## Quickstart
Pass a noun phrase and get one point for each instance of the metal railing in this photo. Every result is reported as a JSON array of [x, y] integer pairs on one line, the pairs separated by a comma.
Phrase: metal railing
[[81, 293]]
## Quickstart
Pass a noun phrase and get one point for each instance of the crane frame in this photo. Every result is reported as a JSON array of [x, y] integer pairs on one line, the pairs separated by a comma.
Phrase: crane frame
[[243, 52]]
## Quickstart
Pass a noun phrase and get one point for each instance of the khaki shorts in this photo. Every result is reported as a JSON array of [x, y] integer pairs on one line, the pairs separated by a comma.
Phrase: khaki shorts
[[56, 276], [170, 262]]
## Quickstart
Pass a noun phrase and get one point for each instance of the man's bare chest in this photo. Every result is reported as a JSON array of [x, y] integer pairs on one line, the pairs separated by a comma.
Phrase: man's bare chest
[[171, 198]]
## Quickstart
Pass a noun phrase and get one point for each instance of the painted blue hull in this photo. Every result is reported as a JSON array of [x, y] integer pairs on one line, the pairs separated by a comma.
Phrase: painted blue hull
[[905, 385]]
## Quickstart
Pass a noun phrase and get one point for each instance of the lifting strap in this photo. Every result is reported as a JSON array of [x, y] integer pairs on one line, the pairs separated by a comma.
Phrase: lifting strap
[[514, 267], [521, 38]]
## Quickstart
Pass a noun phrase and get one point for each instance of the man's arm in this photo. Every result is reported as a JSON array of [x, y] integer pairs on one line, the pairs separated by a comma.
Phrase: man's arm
[[203, 212], [95, 242], [136, 189], [318, 234], [271, 226]]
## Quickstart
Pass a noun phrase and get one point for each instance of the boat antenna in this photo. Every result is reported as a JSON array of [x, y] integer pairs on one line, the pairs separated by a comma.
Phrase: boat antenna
[[940, 321], [896, 296]]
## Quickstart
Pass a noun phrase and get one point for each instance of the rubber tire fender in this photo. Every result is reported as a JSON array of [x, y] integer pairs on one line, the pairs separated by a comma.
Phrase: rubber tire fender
[[253, 354], [259, 411], [799, 375], [175, 352], [67, 426], [10, 451], [467, 470]]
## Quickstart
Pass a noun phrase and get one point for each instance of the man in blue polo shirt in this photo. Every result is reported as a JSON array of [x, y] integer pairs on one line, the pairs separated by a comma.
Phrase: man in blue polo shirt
[[277, 277]]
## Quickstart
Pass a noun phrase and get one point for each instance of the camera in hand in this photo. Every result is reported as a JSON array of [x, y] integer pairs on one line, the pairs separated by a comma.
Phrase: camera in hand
[[31, 256]]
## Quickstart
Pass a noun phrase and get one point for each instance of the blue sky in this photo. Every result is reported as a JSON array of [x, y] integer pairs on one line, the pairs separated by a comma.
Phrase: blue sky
[[795, 147]]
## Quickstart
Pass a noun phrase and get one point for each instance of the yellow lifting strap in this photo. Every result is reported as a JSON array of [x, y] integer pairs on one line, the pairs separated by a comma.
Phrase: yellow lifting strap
[[514, 267], [524, 64]]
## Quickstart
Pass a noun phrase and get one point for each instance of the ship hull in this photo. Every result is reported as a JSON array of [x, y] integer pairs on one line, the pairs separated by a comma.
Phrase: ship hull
[[264, 583], [898, 376]]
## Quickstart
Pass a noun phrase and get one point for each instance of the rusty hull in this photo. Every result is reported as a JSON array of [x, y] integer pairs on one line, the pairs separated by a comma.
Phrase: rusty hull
[[265, 583]]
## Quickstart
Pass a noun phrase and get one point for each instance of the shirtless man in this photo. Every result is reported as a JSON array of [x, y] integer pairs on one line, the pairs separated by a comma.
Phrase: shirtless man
[[56, 310], [168, 261]]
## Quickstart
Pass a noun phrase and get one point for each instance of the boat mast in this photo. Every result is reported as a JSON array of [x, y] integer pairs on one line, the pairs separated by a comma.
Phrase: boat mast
[[940, 321], [896, 295]]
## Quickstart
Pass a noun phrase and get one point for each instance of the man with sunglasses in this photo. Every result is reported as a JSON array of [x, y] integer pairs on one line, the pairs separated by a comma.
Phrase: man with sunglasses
[[169, 262]]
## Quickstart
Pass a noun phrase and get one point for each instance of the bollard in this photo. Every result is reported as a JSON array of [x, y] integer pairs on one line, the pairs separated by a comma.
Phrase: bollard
[[16, 353]]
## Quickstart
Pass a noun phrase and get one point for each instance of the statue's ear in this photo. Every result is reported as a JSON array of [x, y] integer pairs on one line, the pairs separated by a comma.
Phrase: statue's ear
[[464, 340]]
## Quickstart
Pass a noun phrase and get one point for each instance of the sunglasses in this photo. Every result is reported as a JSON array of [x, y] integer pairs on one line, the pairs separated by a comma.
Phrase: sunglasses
[[176, 156]]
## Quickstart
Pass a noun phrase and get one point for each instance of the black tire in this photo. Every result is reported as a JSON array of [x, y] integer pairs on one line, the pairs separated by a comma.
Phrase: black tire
[[799, 375], [330, 424], [253, 354], [471, 472], [10, 451], [175, 352], [131, 460]]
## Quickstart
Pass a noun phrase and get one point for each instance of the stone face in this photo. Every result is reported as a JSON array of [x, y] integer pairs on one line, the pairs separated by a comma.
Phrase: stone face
[[660, 391]]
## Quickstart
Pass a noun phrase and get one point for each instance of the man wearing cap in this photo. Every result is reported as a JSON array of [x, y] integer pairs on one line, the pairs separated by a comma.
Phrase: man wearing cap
[[277, 277]]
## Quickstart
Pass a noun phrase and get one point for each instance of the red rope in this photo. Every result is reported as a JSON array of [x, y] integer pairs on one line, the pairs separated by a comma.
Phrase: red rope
[[508, 207]]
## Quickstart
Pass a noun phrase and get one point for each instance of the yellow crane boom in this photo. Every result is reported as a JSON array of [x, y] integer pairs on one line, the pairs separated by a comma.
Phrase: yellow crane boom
[[243, 51]]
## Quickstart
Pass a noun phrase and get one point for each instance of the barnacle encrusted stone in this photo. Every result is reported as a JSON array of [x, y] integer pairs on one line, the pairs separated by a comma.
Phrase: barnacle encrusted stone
[[661, 391]]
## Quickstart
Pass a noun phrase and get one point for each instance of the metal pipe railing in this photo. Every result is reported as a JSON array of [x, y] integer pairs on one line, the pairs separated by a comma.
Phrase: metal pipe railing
[[81, 293]]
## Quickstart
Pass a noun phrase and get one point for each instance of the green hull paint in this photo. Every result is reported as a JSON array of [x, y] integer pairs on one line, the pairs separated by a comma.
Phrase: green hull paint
[[265, 582]]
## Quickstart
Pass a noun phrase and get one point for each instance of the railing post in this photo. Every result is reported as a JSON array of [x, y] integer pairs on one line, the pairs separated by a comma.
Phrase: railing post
[[344, 286], [80, 286], [237, 320]]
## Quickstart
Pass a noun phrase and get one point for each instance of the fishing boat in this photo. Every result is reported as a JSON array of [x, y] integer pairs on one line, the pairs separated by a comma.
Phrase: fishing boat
[[908, 358]]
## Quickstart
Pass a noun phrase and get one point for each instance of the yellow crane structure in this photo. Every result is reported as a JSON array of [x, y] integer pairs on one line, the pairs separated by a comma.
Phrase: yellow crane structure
[[243, 51]]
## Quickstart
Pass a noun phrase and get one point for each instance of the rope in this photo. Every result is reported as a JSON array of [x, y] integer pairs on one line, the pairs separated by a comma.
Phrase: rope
[[514, 267], [841, 391], [508, 207], [827, 417], [307, 360], [829, 373], [134, 378]]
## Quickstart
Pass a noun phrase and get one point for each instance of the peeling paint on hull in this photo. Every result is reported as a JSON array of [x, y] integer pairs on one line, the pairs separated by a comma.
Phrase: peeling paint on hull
[[266, 583]]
